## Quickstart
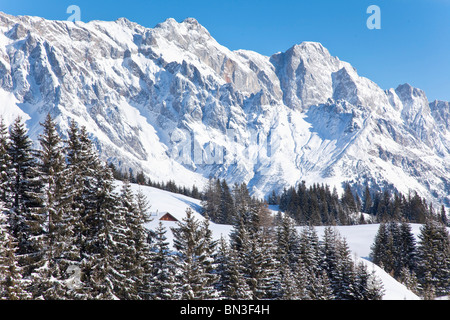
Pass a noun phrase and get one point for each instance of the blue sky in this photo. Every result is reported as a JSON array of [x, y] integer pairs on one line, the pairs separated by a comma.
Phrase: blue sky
[[412, 46]]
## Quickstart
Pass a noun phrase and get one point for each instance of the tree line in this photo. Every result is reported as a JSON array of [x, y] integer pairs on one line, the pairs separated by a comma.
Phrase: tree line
[[141, 179], [319, 205], [66, 233]]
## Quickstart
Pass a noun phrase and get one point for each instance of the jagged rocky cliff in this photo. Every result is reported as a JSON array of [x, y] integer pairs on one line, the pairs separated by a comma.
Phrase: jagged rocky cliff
[[175, 103]]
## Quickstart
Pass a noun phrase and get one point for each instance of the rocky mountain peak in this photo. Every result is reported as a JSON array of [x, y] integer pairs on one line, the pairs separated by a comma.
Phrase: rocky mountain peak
[[173, 102]]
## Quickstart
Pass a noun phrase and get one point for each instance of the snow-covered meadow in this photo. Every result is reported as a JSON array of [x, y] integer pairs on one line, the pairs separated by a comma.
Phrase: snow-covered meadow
[[359, 238]]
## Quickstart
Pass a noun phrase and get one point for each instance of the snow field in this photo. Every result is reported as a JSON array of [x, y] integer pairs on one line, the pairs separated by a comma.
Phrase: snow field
[[359, 237]]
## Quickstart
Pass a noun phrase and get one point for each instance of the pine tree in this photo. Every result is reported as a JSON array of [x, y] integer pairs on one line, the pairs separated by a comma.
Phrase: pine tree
[[134, 250], [207, 260], [212, 202], [309, 250], [102, 234], [329, 257], [407, 250], [136, 219], [192, 245], [345, 275], [12, 285], [348, 200], [367, 202], [433, 255], [288, 287], [302, 279], [367, 286], [287, 242], [221, 270], [106, 259], [227, 209], [231, 284], [381, 252], [258, 257], [60, 252], [320, 287], [243, 203], [409, 279], [4, 161], [25, 188], [162, 282], [82, 164]]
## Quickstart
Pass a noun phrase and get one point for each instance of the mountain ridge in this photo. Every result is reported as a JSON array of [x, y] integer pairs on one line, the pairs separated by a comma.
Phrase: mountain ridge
[[172, 101]]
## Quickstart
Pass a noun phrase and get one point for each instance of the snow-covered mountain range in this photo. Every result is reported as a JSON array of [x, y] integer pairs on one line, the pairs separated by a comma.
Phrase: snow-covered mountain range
[[175, 103]]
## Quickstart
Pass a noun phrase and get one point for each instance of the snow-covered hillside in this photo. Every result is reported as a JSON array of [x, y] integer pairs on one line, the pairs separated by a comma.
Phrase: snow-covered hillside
[[173, 102], [359, 238]]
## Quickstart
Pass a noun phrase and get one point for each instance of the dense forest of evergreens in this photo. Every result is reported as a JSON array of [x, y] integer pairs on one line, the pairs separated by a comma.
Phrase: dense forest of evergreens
[[318, 205], [67, 233]]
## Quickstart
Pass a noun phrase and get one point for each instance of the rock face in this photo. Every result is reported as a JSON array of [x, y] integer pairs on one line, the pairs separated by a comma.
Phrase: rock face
[[175, 103]]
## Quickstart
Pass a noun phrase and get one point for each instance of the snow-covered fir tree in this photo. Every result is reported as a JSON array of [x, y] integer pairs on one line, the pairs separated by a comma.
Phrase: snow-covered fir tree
[[102, 230], [162, 261], [433, 256], [12, 284], [58, 239], [4, 161], [193, 257], [136, 255], [25, 191], [231, 283]]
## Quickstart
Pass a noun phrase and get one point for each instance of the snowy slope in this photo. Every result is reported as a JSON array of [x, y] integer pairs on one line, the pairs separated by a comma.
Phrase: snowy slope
[[359, 238], [173, 102]]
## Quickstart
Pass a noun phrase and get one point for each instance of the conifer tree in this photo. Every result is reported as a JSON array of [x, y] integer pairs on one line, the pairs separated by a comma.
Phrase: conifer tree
[[135, 252], [348, 200], [4, 161], [302, 279], [407, 250], [12, 284], [266, 266], [288, 288], [309, 250], [227, 207], [107, 244], [345, 273], [367, 286], [207, 260], [287, 243], [433, 253], [25, 188], [367, 201], [221, 270], [231, 283], [329, 257], [409, 279], [162, 282], [58, 241], [381, 252], [212, 202], [191, 243], [320, 287], [102, 233]]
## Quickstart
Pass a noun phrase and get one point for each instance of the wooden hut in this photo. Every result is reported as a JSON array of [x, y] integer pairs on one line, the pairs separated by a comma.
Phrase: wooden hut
[[168, 217]]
